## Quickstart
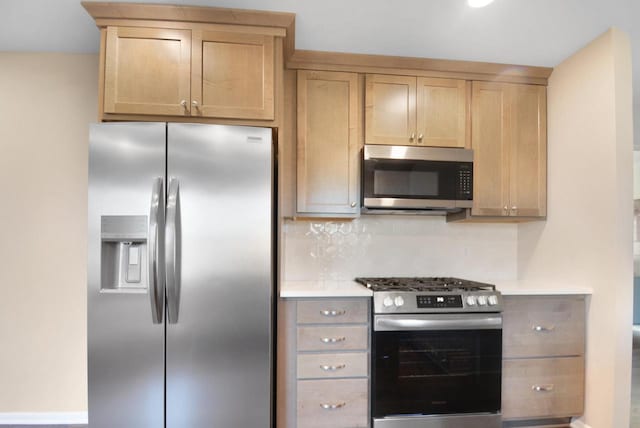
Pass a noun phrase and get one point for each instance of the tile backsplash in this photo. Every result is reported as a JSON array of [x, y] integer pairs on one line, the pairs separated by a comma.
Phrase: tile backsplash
[[398, 246]]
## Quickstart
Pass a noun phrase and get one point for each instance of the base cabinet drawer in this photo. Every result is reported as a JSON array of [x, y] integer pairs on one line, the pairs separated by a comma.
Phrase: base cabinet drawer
[[353, 364], [543, 326], [321, 311], [323, 338], [332, 403], [542, 387]]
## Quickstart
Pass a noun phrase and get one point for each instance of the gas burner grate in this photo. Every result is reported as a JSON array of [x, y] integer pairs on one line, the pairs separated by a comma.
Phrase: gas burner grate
[[421, 284]]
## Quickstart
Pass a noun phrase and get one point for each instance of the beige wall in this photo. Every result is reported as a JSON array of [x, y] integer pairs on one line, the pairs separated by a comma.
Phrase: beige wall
[[587, 238], [46, 104]]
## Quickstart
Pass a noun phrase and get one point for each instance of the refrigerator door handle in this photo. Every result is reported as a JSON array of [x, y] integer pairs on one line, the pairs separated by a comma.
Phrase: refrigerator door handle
[[156, 250], [173, 250]]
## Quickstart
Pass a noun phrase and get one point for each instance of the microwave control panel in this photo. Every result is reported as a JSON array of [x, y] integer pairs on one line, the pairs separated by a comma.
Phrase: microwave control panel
[[465, 183]]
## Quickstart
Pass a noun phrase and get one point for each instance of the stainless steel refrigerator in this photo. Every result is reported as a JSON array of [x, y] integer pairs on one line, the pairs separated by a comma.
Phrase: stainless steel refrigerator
[[180, 279]]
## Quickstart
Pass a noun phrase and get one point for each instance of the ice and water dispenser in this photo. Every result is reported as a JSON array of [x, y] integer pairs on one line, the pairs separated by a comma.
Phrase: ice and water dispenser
[[123, 253]]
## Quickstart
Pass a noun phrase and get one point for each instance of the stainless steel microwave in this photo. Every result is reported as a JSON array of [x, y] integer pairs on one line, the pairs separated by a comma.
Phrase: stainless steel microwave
[[409, 179]]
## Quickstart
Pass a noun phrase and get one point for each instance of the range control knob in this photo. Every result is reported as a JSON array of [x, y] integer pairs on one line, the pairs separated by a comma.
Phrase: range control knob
[[471, 300], [388, 301], [482, 300], [493, 300], [399, 301]]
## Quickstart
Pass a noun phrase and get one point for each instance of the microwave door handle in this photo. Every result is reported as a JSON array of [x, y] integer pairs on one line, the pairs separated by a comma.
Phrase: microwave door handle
[[173, 251]]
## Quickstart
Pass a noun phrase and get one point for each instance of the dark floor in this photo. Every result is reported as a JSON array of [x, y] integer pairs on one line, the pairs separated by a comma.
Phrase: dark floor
[[635, 379]]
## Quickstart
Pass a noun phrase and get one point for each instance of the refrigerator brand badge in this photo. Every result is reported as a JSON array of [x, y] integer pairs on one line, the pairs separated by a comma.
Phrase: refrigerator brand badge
[[254, 139]]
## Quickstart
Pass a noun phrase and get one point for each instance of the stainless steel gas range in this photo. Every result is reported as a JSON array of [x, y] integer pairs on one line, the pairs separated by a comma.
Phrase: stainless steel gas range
[[436, 353]]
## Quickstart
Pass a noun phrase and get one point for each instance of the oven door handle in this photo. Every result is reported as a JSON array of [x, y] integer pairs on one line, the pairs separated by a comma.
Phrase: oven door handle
[[437, 322]]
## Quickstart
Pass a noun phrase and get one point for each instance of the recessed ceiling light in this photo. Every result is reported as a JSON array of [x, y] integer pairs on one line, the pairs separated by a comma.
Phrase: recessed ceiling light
[[479, 3]]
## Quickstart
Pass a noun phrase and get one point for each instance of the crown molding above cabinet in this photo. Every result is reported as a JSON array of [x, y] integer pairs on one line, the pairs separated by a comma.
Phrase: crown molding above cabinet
[[423, 67], [103, 12]]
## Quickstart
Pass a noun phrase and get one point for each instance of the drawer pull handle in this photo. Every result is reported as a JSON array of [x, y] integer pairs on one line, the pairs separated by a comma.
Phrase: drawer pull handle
[[542, 388], [333, 368], [543, 329], [332, 313], [333, 339], [328, 406]]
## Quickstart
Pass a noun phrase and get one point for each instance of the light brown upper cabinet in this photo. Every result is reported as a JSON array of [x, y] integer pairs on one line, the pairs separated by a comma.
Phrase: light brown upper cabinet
[[147, 71], [409, 110], [509, 139], [189, 72], [328, 144], [233, 75]]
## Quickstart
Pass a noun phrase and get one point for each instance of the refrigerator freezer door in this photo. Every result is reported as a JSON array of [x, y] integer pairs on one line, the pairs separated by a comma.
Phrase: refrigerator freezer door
[[125, 347], [219, 351]]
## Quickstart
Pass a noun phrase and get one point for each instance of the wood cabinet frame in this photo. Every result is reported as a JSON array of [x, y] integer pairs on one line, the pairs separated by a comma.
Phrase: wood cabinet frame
[[265, 109], [410, 116], [116, 84], [504, 150], [544, 346], [333, 204], [273, 30]]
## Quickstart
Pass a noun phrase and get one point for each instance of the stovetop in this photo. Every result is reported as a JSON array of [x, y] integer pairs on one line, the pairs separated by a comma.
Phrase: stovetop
[[406, 295], [418, 284]]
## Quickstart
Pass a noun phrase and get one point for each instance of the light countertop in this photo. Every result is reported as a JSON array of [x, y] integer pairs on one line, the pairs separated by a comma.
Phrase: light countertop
[[302, 289], [538, 288], [293, 289]]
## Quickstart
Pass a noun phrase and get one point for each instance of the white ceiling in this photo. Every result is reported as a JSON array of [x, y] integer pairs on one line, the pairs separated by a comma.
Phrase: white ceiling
[[531, 32]]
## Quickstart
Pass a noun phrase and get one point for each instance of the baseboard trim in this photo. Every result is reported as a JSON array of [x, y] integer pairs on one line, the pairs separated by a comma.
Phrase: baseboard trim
[[577, 423], [57, 418]]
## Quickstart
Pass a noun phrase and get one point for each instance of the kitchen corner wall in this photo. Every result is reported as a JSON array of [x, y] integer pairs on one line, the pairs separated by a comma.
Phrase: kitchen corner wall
[[46, 104], [400, 246], [587, 238]]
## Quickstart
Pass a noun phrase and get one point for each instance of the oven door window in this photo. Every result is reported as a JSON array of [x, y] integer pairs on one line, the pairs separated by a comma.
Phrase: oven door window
[[436, 372], [404, 179]]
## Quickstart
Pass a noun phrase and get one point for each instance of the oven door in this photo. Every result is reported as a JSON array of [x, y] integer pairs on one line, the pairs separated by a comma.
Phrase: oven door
[[436, 364], [417, 177]]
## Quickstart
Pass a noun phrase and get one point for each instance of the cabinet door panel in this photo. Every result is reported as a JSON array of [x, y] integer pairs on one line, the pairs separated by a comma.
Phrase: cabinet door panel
[[147, 71], [328, 145], [528, 174], [233, 75], [542, 388], [490, 122], [543, 326], [339, 403], [441, 112], [390, 109]]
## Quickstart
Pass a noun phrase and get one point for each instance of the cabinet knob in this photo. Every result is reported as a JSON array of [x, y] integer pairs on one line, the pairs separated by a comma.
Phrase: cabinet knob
[[183, 103], [514, 209], [505, 208], [420, 138], [353, 204], [412, 137]]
